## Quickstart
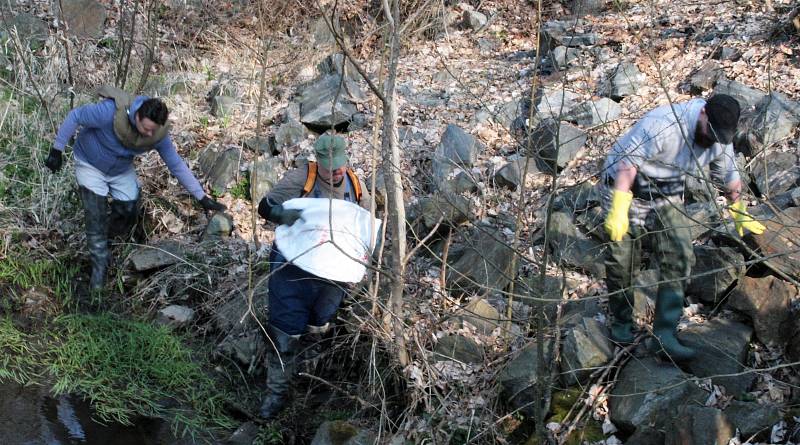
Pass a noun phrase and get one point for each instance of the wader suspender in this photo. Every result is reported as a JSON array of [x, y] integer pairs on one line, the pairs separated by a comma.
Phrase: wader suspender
[[308, 187]]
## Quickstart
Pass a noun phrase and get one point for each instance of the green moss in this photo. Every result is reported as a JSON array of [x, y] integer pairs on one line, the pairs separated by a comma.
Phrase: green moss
[[242, 189], [562, 402]]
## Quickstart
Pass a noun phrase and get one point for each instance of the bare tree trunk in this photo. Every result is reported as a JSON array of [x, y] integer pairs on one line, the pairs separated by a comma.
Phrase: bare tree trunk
[[394, 187]]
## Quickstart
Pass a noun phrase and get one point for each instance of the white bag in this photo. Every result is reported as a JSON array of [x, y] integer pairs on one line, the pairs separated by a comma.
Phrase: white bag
[[336, 248]]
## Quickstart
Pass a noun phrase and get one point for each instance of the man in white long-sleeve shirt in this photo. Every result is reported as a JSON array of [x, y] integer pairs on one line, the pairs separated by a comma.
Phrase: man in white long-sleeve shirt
[[643, 180]]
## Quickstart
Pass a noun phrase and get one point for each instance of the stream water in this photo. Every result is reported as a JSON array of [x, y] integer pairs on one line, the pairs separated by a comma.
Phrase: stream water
[[30, 416]]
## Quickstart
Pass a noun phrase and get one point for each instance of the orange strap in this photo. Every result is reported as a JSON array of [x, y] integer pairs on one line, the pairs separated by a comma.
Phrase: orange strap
[[312, 178]]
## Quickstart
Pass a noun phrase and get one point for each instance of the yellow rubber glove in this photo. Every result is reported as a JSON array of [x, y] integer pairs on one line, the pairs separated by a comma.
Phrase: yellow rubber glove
[[743, 220], [616, 223]]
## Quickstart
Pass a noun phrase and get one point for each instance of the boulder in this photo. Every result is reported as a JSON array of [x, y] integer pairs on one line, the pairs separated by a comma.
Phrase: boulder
[[519, 377], [571, 247], [479, 313], [175, 315], [472, 19], [85, 18], [335, 64], [767, 301], [264, 174], [289, 134], [220, 168], [583, 7], [245, 347], [695, 425], [752, 418], [705, 77], [457, 149], [562, 56], [317, 101], [594, 113], [263, 145], [222, 106], [555, 144], [576, 199], [622, 81], [485, 265], [510, 175], [715, 270], [703, 216], [776, 117], [339, 432], [563, 33], [513, 113], [156, 256], [649, 392], [779, 242], [462, 183], [457, 348], [29, 28], [699, 188], [555, 103], [586, 347], [726, 53], [722, 347], [219, 226], [453, 210], [747, 97]]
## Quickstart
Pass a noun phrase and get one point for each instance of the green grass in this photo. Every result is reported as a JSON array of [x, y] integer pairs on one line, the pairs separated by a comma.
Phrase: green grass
[[128, 369], [18, 362], [242, 188], [56, 275]]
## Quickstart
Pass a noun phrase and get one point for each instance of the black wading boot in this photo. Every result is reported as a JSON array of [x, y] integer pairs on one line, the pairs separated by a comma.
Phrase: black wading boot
[[123, 219], [620, 305], [95, 209], [280, 370], [669, 307]]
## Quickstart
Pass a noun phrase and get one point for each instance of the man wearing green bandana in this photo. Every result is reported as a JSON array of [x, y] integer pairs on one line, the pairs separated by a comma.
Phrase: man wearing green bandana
[[300, 302]]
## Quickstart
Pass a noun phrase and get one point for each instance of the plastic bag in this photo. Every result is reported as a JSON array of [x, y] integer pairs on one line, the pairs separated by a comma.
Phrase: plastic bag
[[333, 240]]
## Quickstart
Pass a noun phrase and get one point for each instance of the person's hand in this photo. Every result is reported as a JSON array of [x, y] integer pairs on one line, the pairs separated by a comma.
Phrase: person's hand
[[54, 160], [743, 220], [616, 223], [280, 215], [209, 204]]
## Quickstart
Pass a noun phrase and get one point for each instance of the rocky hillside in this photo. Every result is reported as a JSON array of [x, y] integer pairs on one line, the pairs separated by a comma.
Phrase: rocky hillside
[[503, 123]]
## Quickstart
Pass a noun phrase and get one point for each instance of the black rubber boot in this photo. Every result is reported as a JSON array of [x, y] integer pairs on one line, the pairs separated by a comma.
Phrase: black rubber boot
[[313, 343], [669, 307], [620, 305], [279, 374], [95, 209], [123, 219]]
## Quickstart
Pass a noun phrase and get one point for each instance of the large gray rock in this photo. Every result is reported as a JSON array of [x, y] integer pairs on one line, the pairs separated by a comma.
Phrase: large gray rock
[[584, 7], [721, 347], [458, 348], [85, 18], [648, 393], [705, 77], [263, 145], [596, 112], [778, 244], [726, 53], [290, 134], [699, 188], [485, 265], [338, 432], [473, 19], [561, 57], [317, 100], [714, 271], [555, 144], [449, 209], [29, 28], [572, 248], [622, 81], [510, 175], [752, 418], [563, 33], [156, 256], [586, 347], [696, 425], [519, 377], [457, 149], [703, 216], [220, 168], [555, 103], [222, 106], [776, 117], [767, 301], [747, 97], [335, 64], [776, 173], [219, 226], [479, 313], [243, 346], [264, 174], [175, 315]]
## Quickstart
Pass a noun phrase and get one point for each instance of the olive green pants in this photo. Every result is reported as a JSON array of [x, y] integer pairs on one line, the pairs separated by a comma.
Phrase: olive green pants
[[667, 234]]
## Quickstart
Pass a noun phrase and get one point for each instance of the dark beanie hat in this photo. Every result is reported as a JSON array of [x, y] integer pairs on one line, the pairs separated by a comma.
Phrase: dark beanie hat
[[723, 115]]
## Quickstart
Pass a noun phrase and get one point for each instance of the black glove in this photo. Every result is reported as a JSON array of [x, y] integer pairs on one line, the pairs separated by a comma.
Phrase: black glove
[[54, 160], [209, 204], [280, 215]]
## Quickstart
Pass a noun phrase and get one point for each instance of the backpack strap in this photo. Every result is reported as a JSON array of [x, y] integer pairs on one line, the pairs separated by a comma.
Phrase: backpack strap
[[311, 178], [356, 184]]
